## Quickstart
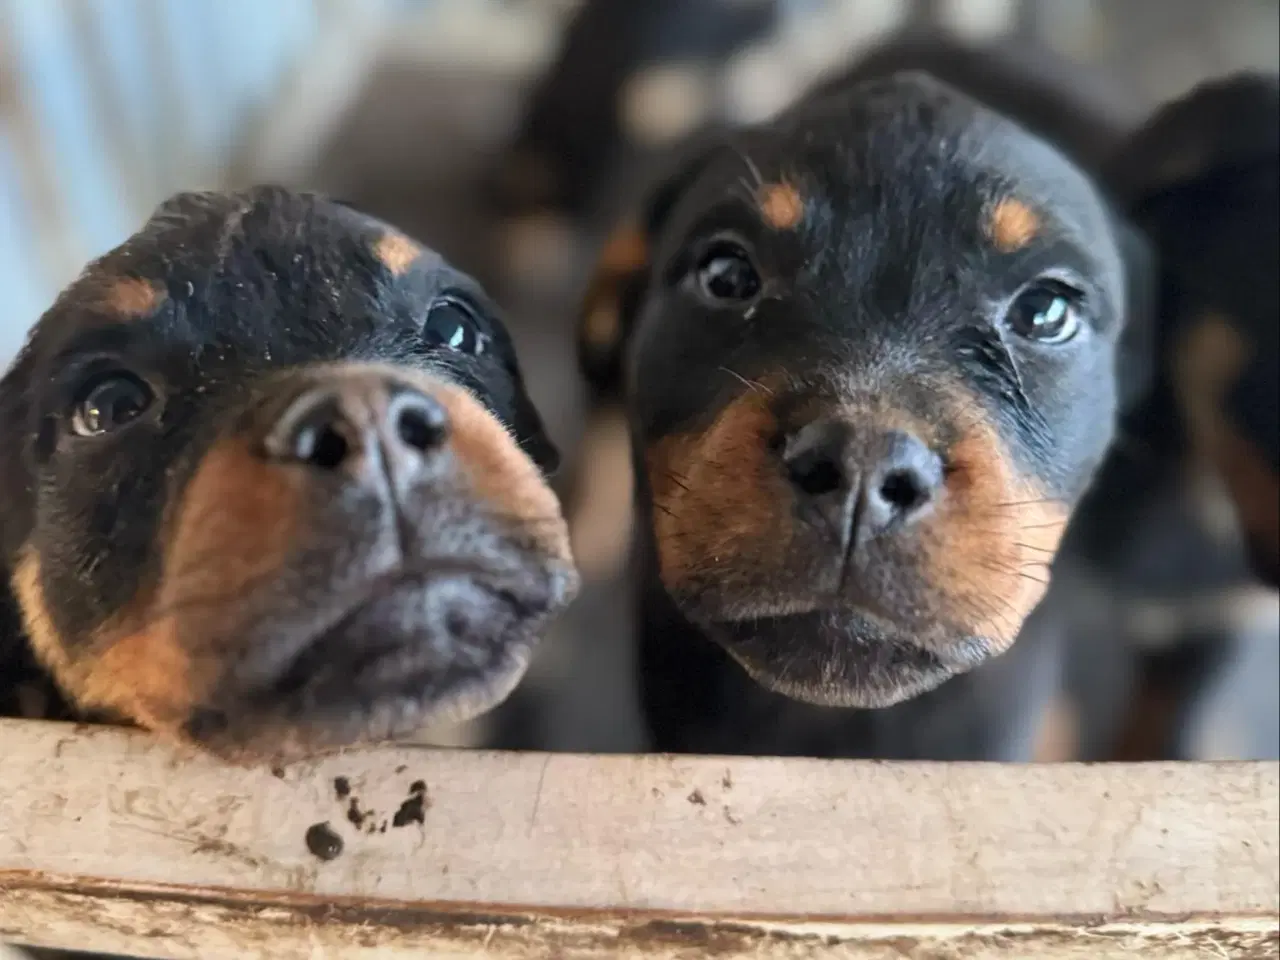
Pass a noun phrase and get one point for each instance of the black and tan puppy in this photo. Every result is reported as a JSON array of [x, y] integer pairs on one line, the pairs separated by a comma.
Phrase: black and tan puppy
[[1202, 178], [271, 484], [868, 355], [1186, 512]]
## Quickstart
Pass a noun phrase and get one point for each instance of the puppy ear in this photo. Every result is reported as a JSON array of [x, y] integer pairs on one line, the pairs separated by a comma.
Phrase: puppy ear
[[1220, 125], [1200, 179], [1135, 354], [622, 276]]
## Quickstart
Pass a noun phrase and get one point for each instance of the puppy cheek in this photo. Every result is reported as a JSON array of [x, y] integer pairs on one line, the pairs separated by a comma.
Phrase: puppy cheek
[[235, 528], [717, 499], [502, 476], [986, 554], [143, 674]]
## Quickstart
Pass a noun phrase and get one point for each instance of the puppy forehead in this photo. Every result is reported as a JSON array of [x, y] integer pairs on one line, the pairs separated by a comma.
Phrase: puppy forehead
[[234, 232], [912, 132], [251, 265]]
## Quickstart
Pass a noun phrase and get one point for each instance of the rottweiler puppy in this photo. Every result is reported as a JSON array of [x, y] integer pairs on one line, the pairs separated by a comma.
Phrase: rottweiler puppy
[[868, 353], [1202, 179], [1185, 517], [272, 485]]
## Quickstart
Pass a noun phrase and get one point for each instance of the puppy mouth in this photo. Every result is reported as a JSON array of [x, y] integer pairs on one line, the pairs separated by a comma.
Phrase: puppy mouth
[[441, 644], [845, 658]]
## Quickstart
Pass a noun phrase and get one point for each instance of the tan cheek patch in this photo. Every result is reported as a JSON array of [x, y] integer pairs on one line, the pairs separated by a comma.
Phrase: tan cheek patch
[[46, 643], [781, 205], [131, 298], [987, 551], [501, 473], [396, 252], [1208, 360], [1012, 225], [142, 675], [238, 521], [716, 497]]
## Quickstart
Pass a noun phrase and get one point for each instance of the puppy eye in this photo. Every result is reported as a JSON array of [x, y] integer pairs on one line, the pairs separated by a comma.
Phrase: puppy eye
[[1047, 311], [726, 275], [452, 323], [109, 403]]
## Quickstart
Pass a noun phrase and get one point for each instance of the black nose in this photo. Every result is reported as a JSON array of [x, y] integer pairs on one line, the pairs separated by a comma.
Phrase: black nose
[[862, 486], [332, 426]]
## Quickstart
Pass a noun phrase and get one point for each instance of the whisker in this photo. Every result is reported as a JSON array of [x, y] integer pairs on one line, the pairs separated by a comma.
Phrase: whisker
[[752, 385]]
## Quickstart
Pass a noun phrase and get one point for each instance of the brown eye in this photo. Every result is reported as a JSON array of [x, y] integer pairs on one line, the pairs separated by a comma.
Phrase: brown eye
[[109, 403], [726, 275], [1047, 311]]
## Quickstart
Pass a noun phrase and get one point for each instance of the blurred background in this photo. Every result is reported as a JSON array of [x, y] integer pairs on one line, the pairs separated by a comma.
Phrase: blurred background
[[403, 106]]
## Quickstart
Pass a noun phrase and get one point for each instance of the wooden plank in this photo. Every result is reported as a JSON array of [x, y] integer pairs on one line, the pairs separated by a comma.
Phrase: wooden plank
[[112, 840]]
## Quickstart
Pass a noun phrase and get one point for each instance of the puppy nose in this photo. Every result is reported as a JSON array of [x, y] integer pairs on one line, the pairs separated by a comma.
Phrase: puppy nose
[[330, 427], [866, 486]]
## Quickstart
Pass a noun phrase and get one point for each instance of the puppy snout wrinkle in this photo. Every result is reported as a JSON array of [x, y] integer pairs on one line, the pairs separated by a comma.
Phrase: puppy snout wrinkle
[[864, 485]]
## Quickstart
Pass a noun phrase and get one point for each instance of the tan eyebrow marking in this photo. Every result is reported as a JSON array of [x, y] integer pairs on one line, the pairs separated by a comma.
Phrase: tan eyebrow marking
[[133, 298], [1013, 224], [396, 251], [781, 205]]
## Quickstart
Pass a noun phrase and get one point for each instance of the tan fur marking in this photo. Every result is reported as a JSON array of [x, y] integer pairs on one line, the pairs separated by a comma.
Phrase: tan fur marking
[[625, 251], [717, 496], [142, 675], [45, 641], [1013, 225], [237, 523], [396, 251], [145, 675], [625, 254], [1208, 360], [502, 474], [987, 549], [601, 329], [132, 298], [781, 205]]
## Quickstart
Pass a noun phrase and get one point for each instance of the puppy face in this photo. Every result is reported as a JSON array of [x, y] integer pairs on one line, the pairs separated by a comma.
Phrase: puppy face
[[272, 483], [868, 355]]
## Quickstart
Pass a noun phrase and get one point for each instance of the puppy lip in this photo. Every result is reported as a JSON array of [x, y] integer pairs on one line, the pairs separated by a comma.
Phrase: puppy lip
[[389, 689], [840, 670], [526, 593], [952, 650]]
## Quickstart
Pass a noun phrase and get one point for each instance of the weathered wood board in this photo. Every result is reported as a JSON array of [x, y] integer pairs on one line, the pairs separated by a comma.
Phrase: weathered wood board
[[113, 841]]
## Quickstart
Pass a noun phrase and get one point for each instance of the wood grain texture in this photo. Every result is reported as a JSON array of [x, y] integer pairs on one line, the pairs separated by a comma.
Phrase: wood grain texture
[[111, 839]]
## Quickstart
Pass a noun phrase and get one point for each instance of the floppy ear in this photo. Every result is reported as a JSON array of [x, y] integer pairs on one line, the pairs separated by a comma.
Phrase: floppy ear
[[1200, 179], [1135, 354], [617, 289], [1222, 124]]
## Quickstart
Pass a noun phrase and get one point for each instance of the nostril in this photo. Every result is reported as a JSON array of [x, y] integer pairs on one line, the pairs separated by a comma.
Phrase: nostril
[[321, 446], [904, 490], [815, 474], [422, 427]]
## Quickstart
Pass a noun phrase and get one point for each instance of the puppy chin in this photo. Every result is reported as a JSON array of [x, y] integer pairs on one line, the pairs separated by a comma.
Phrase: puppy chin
[[843, 659], [410, 657]]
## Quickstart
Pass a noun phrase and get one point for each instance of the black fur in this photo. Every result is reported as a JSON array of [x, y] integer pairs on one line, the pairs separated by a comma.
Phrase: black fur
[[265, 300]]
